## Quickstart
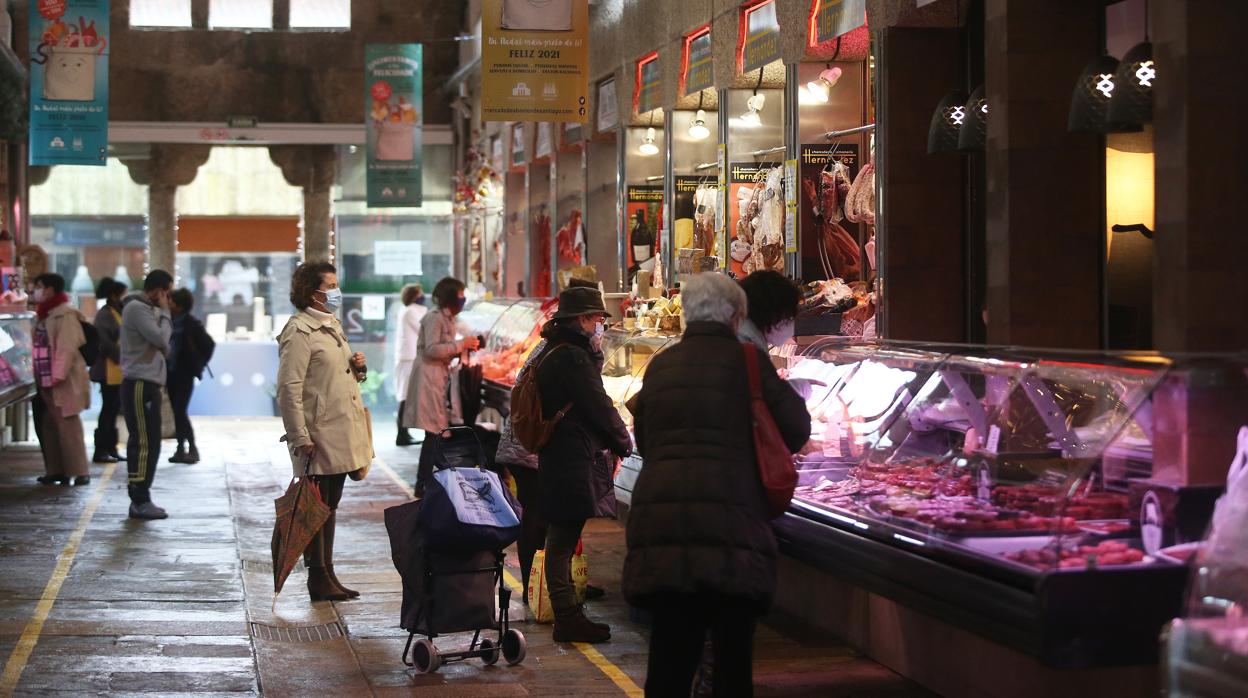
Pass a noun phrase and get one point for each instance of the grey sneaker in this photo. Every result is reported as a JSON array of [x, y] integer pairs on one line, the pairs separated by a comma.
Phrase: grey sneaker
[[147, 510]]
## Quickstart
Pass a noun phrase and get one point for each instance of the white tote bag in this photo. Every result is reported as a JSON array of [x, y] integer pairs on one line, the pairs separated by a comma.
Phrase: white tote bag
[[537, 15], [477, 496]]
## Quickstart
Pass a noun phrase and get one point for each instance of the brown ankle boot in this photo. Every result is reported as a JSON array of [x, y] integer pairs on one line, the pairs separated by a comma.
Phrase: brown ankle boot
[[327, 537], [573, 626], [321, 586]]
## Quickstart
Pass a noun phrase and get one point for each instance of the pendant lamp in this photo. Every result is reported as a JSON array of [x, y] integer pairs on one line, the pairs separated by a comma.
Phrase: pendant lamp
[[647, 147], [974, 132], [698, 130], [1089, 104], [942, 135], [753, 110], [820, 88], [1132, 102]]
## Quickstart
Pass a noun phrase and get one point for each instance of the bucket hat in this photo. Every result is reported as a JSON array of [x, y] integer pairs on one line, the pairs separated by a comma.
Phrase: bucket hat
[[578, 301]]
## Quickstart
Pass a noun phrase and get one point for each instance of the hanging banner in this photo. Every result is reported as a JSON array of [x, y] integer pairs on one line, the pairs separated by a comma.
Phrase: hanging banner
[[760, 36], [393, 84], [535, 60], [69, 82], [648, 92], [833, 18], [698, 73]]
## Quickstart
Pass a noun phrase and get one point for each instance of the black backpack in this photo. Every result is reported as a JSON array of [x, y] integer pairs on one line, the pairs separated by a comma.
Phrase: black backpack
[[90, 348]]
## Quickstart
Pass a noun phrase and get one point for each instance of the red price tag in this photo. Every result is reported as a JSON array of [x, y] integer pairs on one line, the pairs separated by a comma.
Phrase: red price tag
[[52, 9], [381, 91]]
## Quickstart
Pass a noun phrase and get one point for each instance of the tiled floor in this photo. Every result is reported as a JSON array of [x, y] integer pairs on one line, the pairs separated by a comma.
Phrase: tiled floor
[[165, 607]]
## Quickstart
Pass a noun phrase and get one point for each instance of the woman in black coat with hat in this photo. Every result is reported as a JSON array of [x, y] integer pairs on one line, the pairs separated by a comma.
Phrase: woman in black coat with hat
[[568, 376]]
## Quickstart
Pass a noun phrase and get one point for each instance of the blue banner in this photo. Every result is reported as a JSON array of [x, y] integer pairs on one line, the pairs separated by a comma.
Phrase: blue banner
[[68, 82]]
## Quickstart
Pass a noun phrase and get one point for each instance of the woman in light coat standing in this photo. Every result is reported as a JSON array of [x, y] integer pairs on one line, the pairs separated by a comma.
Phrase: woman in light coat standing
[[426, 406], [413, 300], [322, 411], [61, 377]]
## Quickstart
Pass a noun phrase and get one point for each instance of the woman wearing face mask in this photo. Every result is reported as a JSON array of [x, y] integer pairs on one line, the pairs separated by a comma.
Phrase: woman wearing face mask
[[436, 347], [413, 299], [567, 374], [773, 301], [319, 398], [61, 378]]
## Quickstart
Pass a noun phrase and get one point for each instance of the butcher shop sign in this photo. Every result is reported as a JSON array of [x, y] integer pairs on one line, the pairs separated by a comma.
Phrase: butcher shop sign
[[68, 82]]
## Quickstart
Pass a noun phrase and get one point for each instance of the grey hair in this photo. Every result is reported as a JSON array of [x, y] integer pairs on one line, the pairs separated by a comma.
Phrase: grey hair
[[713, 297]]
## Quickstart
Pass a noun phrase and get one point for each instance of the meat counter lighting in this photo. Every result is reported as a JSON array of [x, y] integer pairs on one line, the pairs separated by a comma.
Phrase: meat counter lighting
[[647, 146], [753, 111], [820, 88], [698, 130]]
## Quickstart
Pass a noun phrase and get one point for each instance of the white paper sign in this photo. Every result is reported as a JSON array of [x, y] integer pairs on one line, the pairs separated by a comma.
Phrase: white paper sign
[[374, 307], [608, 115], [397, 258]]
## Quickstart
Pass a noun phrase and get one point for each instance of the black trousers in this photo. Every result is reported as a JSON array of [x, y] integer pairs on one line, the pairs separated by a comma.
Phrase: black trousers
[[681, 623], [180, 389], [532, 520], [106, 428], [140, 401], [331, 488], [37, 411]]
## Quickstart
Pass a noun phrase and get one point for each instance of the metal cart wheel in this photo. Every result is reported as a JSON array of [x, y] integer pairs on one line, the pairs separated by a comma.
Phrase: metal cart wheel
[[513, 647], [491, 653], [425, 656]]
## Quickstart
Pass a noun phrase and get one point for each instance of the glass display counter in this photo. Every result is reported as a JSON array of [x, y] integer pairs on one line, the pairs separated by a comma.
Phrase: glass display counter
[[990, 487], [17, 376], [512, 338], [626, 354]]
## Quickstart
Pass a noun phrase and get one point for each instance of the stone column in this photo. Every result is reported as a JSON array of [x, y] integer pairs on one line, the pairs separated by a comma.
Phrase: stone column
[[1201, 287], [313, 168], [168, 167], [1046, 187]]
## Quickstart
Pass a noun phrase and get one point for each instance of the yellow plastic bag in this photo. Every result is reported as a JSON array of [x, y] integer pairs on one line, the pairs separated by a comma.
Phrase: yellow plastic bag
[[539, 593]]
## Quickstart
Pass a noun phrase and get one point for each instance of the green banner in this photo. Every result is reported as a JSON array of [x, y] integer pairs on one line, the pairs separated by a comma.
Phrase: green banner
[[393, 106]]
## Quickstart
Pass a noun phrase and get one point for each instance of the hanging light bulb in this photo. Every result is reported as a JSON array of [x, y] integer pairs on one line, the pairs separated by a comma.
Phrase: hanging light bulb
[[1132, 101], [942, 134], [648, 147], [753, 111], [820, 88], [698, 130]]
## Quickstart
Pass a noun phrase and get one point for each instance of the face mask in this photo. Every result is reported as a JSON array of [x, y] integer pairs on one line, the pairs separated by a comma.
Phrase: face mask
[[333, 299], [599, 329], [420, 300], [780, 334], [458, 305]]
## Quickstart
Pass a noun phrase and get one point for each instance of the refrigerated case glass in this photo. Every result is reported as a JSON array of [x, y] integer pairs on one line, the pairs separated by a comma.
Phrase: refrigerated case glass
[[479, 317], [987, 456], [626, 356], [514, 335], [17, 375]]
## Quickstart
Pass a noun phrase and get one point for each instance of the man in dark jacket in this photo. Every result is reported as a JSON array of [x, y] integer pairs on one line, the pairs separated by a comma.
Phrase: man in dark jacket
[[701, 552], [190, 348], [568, 376]]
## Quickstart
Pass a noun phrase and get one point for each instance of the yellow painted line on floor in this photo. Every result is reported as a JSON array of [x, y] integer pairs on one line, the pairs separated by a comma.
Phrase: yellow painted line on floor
[[613, 672], [30, 635]]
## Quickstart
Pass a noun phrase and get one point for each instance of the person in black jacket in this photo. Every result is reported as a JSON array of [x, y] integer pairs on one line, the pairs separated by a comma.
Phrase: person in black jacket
[[190, 348], [568, 376], [701, 552], [107, 369]]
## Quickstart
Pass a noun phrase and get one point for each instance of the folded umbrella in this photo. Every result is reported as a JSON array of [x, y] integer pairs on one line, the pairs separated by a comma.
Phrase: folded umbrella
[[300, 514]]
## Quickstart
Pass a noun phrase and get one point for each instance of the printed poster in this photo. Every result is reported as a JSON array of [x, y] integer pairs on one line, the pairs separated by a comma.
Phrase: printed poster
[[69, 44], [393, 83], [645, 206], [535, 60], [742, 178]]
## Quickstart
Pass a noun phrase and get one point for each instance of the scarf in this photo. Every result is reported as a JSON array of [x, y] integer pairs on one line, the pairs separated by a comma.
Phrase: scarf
[[49, 304]]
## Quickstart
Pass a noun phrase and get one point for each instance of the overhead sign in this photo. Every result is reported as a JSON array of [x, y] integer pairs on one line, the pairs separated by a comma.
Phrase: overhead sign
[[648, 92], [832, 18], [397, 258], [69, 82], [697, 73], [393, 102], [535, 60], [760, 41]]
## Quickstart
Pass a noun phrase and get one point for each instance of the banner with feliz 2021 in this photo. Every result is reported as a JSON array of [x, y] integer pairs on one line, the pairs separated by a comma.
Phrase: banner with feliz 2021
[[393, 105], [69, 82]]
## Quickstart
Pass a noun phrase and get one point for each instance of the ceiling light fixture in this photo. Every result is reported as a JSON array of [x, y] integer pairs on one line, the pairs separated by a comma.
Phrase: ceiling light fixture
[[647, 146], [1132, 101], [698, 130], [753, 111], [942, 135], [1089, 104], [820, 88], [973, 134]]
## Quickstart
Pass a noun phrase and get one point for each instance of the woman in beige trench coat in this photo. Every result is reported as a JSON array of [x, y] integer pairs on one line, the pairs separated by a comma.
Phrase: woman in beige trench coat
[[327, 428], [61, 377], [426, 403]]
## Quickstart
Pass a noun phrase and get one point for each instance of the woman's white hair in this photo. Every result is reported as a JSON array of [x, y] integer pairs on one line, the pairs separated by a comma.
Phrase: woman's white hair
[[713, 297]]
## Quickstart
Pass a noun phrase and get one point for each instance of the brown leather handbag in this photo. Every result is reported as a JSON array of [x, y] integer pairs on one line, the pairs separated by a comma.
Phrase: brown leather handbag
[[775, 463]]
